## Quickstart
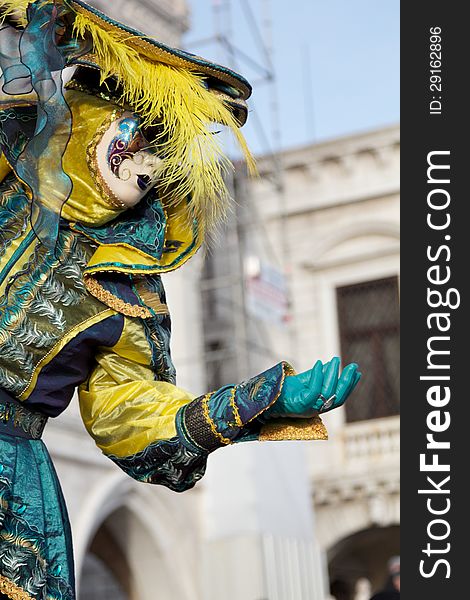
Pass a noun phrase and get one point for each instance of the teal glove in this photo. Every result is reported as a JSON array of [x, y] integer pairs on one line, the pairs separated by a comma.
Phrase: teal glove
[[317, 390]]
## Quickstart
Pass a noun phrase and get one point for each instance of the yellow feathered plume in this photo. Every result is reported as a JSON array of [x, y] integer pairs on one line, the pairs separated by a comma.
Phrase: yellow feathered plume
[[16, 8], [176, 99]]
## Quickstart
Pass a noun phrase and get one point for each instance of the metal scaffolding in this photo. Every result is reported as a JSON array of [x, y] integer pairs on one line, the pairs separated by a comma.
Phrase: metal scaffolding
[[235, 342]]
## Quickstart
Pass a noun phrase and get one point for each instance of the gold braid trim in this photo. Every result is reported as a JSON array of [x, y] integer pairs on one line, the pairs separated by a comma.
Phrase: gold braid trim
[[13, 591], [130, 310], [205, 409], [233, 404]]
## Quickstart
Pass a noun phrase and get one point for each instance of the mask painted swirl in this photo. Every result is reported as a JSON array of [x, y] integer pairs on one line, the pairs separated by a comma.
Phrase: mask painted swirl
[[125, 145]]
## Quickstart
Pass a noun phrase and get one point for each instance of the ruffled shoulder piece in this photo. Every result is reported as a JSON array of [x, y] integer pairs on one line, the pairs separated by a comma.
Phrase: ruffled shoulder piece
[[145, 240], [130, 253]]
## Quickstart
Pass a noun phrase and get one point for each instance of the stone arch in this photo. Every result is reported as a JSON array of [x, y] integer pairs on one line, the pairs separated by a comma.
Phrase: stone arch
[[373, 501], [150, 528], [364, 229], [106, 571], [99, 503], [362, 555]]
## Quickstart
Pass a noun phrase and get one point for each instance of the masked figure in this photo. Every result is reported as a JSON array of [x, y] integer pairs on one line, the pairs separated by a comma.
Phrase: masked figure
[[104, 186]]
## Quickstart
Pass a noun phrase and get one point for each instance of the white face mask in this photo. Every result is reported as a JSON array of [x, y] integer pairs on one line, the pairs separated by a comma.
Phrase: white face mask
[[126, 162]]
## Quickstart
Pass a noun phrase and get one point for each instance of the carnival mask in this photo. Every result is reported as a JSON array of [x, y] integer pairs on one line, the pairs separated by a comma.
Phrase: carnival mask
[[126, 161]]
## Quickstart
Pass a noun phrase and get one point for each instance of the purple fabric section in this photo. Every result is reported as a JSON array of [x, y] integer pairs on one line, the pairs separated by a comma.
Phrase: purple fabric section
[[120, 285], [71, 367]]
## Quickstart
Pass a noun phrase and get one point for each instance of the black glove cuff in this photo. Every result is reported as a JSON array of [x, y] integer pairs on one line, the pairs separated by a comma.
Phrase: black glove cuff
[[195, 430]]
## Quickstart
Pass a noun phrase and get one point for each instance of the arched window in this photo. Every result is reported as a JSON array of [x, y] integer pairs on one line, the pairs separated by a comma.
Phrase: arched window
[[368, 315]]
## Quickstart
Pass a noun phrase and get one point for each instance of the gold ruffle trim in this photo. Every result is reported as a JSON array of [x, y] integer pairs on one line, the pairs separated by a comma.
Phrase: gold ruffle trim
[[130, 310], [13, 591], [293, 429]]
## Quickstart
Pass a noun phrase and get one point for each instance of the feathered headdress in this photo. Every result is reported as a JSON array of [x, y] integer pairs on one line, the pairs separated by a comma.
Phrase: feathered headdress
[[182, 93]]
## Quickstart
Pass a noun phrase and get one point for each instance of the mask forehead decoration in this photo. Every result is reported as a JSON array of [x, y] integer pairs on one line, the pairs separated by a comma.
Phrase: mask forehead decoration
[[125, 144], [130, 144]]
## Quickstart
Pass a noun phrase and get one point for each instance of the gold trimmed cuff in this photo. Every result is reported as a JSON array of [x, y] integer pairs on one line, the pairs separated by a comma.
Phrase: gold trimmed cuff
[[196, 428]]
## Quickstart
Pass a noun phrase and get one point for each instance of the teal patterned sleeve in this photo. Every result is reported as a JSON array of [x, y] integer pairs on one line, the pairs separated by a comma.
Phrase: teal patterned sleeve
[[229, 415]]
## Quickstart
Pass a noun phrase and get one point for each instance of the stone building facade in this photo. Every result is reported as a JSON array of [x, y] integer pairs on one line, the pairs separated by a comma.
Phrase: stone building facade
[[338, 215]]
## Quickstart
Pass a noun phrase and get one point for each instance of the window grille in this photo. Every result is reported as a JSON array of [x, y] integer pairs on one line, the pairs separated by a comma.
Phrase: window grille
[[368, 315]]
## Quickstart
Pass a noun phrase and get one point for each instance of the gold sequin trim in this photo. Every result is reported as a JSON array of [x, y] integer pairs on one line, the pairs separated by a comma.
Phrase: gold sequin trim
[[92, 160], [289, 369], [205, 409], [289, 429], [130, 310], [13, 591]]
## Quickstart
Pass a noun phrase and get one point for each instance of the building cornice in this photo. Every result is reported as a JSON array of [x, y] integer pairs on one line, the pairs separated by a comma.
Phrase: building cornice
[[376, 141]]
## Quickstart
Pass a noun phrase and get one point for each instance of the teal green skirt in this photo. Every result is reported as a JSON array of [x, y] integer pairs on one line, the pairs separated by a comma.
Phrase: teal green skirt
[[36, 559]]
